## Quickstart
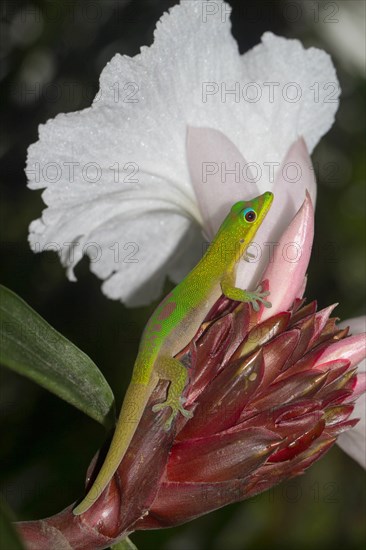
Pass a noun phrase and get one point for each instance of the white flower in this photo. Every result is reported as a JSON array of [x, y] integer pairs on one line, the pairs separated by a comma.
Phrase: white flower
[[124, 178]]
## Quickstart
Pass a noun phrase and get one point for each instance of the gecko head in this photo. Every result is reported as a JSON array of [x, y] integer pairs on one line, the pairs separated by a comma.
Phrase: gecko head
[[246, 216], [242, 223]]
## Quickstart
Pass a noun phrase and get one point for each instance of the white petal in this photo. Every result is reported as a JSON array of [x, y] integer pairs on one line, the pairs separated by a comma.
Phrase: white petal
[[217, 173], [287, 270], [302, 104], [353, 442], [288, 198], [346, 39], [133, 255], [94, 199]]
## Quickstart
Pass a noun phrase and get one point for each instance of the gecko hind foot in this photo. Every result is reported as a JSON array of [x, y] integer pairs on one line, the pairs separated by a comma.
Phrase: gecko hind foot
[[176, 406]]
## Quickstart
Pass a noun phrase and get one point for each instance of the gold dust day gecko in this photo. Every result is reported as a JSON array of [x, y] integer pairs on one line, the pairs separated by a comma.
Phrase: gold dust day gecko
[[174, 323]]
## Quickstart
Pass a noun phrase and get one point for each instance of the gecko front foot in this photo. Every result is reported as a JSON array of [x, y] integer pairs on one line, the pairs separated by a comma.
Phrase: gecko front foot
[[258, 296], [177, 407]]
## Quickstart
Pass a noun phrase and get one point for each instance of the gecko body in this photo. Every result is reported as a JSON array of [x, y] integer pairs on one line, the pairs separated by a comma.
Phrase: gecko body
[[174, 323]]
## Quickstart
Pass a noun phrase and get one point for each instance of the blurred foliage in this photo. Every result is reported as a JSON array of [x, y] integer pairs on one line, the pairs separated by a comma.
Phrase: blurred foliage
[[9, 538], [32, 348], [52, 55]]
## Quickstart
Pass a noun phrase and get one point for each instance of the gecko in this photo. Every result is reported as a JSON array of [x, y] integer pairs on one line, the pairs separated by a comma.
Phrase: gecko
[[173, 325]]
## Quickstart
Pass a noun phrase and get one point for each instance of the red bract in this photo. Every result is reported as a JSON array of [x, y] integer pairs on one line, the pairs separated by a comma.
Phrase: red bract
[[269, 399], [263, 412]]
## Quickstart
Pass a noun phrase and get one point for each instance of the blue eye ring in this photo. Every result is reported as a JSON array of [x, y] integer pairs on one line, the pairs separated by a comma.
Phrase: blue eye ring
[[249, 215]]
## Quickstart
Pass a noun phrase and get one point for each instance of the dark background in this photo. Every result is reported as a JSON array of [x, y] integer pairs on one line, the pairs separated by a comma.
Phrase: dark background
[[48, 444]]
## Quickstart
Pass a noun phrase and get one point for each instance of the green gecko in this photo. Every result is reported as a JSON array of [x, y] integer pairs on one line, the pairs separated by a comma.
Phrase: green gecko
[[174, 323]]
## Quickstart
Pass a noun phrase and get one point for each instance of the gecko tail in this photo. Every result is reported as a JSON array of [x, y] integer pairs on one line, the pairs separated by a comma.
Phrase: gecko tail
[[134, 403]]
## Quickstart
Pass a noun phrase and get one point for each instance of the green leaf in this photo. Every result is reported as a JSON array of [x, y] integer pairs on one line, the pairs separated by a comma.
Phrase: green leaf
[[125, 544], [31, 347], [9, 538]]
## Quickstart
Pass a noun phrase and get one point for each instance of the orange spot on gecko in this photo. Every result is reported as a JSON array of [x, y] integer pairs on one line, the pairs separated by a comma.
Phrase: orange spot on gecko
[[166, 311]]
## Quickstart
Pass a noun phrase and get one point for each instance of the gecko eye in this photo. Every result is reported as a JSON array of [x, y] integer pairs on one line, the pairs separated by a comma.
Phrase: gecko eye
[[250, 215]]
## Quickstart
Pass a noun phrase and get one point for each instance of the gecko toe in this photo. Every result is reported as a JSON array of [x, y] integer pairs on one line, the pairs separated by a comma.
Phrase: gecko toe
[[176, 407]]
